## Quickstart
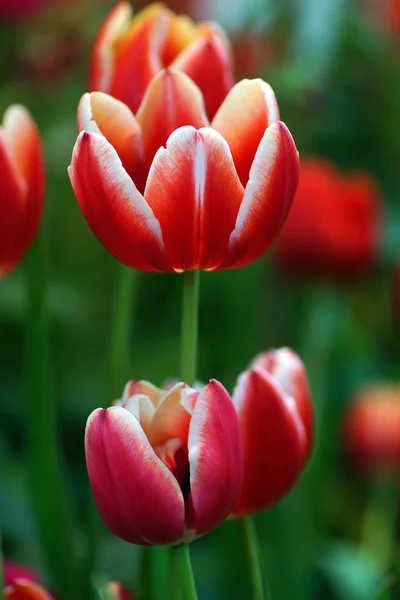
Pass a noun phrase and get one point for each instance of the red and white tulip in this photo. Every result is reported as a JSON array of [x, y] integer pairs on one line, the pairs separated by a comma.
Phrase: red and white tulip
[[21, 185], [129, 52], [164, 466], [275, 415], [168, 191]]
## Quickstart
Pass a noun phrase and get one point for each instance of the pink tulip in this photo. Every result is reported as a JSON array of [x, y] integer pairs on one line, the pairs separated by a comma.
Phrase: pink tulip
[[275, 415], [164, 466]]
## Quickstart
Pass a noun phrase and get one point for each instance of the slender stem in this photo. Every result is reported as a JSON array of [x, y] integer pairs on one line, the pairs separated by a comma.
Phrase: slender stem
[[189, 326], [250, 541], [184, 570], [121, 322], [378, 534], [47, 486]]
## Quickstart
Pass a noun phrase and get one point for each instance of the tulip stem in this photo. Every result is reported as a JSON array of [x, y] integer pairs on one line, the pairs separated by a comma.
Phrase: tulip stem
[[47, 486], [259, 586], [378, 535], [185, 572], [121, 321], [190, 309]]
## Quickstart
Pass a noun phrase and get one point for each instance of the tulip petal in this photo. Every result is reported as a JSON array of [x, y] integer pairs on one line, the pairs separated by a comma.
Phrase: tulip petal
[[137, 496], [215, 459], [103, 59], [24, 590], [113, 207], [287, 370], [273, 439], [207, 63], [139, 57], [22, 185], [171, 101], [101, 113], [195, 194], [133, 387], [249, 108], [171, 418], [267, 199]]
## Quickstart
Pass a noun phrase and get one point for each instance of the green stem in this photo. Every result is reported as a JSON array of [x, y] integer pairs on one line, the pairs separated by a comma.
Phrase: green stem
[[47, 486], [184, 570], [378, 534], [189, 326], [250, 542], [121, 324]]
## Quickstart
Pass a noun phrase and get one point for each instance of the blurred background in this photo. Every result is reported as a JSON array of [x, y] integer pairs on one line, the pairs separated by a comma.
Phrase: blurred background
[[325, 289]]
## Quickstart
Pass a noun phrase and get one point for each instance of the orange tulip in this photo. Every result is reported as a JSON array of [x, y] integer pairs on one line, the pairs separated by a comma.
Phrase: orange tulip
[[372, 428], [129, 52], [21, 185]]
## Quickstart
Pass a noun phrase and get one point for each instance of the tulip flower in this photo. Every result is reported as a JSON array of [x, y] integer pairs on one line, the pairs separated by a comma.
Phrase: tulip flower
[[22, 185], [14, 571], [164, 466], [275, 415], [17, 9], [215, 197], [129, 52], [118, 591], [372, 428], [25, 590], [333, 228]]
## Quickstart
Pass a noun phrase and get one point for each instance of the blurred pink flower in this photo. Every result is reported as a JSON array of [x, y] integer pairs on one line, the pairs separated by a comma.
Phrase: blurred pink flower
[[14, 9]]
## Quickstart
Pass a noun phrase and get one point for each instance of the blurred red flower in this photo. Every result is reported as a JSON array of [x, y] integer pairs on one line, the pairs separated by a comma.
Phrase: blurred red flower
[[22, 583], [22, 185], [14, 9], [372, 427], [333, 228], [13, 571]]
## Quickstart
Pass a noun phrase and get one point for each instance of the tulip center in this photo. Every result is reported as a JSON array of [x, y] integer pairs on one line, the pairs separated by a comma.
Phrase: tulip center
[[165, 417]]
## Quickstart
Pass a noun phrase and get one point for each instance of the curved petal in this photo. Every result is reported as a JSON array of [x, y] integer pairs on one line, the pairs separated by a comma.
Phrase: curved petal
[[195, 194], [143, 387], [288, 371], [171, 101], [22, 187], [247, 111], [103, 56], [12, 207], [267, 199], [100, 113], [215, 459], [182, 31], [24, 590], [171, 419], [207, 63], [273, 439], [137, 496], [139, 56], [113, 207]]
